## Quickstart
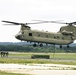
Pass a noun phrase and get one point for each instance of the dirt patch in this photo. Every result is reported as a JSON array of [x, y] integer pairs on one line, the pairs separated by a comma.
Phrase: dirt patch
[[38, 69]]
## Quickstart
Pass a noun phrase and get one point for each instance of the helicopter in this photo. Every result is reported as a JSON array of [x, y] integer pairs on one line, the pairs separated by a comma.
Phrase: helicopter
[[65, 36]]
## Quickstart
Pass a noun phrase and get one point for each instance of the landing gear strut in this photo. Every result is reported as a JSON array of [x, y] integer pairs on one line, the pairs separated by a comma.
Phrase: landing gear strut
[[60, 46]]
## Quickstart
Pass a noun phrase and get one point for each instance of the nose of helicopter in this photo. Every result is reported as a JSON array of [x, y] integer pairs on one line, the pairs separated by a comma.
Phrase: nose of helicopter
[[17, 36]]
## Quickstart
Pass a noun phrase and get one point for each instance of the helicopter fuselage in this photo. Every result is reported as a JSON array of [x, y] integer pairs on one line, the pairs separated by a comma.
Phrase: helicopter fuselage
[[44, 37]]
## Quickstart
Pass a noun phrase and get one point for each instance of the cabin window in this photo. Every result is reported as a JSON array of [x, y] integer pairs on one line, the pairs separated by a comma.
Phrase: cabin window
[[30, 34], [58, 37], [62, 38], [47, 36], [38, 35], [71, 38], [54, 37], [22, 32]]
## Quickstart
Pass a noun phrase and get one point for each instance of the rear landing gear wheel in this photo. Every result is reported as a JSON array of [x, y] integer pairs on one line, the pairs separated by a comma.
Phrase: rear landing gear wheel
[[68, 46], [60, 46], [34, 45], [41, 45]]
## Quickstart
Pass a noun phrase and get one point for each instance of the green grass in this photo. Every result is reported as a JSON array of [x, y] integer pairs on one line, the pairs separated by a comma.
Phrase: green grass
[[22, 61], [36, 61], [5, 73], [68, 56], [54, 57]]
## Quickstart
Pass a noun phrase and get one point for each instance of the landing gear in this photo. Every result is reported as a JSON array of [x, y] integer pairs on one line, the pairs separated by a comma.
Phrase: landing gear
[[34, 45], [41, 45], [60, 46], [68, 46]]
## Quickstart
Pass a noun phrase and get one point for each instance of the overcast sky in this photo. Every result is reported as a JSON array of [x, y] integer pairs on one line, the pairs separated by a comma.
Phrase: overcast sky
[[28, 10]]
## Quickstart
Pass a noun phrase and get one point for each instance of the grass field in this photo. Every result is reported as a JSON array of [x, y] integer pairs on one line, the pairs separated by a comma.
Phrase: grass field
[[24, 58], [5, 73], [52, 55], [67, 56]]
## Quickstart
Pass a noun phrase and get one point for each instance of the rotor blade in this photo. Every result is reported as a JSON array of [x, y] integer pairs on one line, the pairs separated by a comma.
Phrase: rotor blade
[[15, 23], [71, 23], [37, 22], [42, 21], [8, 24], [11, 22], [57, 22], [74, 23]]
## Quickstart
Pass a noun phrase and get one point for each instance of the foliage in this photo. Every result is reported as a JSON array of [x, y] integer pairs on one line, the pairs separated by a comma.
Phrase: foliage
[[29, 48]]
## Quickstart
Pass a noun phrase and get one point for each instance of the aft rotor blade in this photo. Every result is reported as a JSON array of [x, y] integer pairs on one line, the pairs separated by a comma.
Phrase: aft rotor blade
[[74, 23]]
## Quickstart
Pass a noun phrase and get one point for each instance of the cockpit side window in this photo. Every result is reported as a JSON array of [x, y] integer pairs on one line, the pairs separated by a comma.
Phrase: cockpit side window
[[30, 34]]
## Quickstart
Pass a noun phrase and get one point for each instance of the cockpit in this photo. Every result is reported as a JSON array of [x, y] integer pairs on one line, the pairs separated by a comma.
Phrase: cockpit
[[19, 35]]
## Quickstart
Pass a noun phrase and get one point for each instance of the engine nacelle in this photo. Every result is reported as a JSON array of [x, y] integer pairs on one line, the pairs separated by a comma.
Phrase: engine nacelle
[[67, 32]]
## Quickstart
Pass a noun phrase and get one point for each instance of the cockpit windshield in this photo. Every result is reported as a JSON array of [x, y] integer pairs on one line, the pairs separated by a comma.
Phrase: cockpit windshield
[[20, 32]]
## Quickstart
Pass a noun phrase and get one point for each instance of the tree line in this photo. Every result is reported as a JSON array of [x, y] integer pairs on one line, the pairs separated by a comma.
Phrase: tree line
[[30, 48]]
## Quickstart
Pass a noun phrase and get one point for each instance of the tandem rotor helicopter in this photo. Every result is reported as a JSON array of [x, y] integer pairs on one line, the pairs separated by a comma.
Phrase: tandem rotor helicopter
[[65, 36]]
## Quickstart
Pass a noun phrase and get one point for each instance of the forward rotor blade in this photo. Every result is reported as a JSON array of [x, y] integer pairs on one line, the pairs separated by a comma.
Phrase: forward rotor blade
[[15, 23], [7, 24], [37, 22], [12, 22], [42, 21]]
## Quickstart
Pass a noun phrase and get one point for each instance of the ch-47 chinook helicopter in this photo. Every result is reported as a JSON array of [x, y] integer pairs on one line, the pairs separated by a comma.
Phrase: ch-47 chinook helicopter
[[65, 36]]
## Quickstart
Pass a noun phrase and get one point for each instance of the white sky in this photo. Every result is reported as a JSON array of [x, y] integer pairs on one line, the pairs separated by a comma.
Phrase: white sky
[[27, 10]]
